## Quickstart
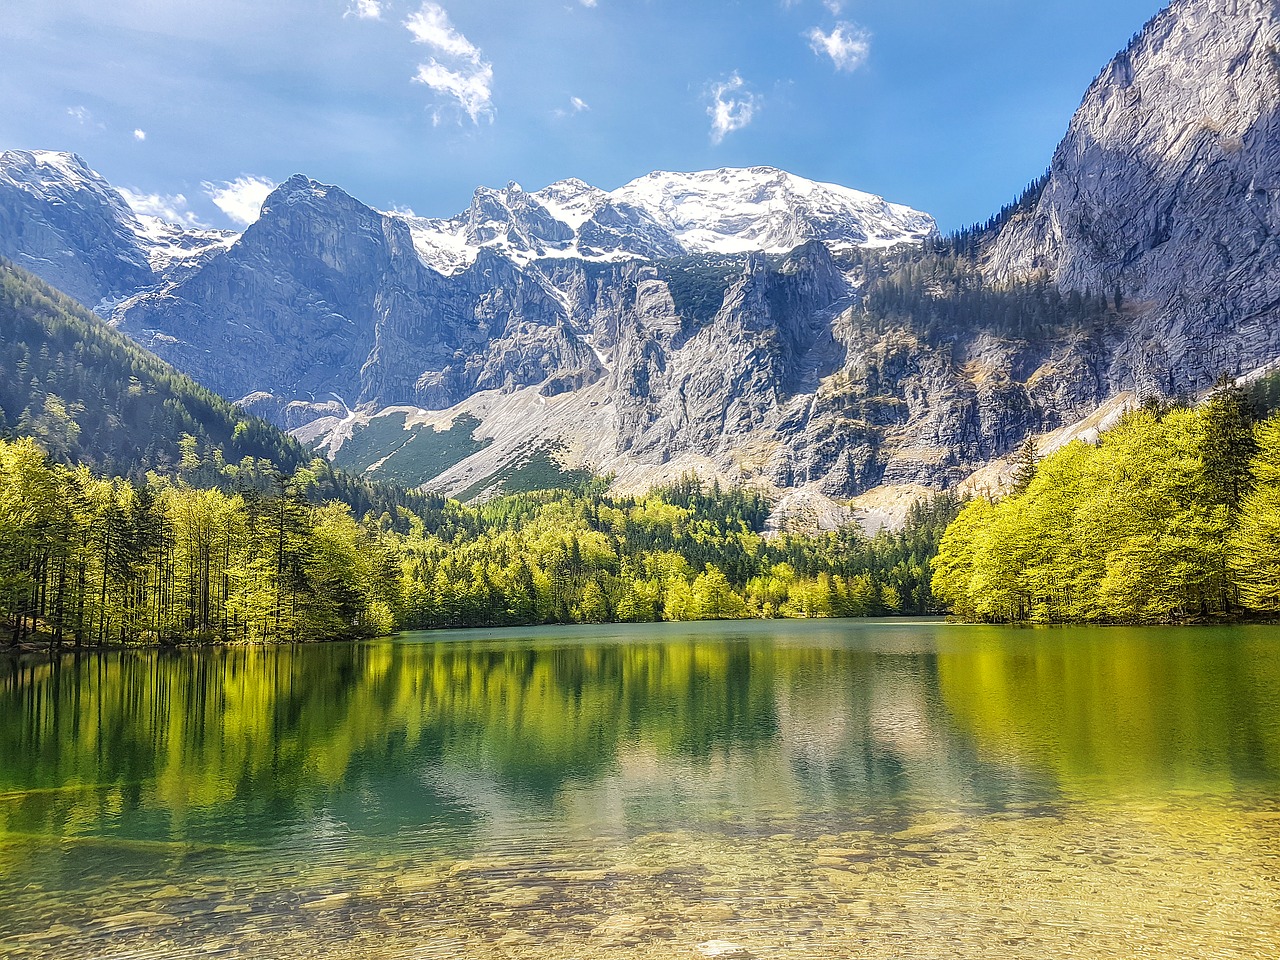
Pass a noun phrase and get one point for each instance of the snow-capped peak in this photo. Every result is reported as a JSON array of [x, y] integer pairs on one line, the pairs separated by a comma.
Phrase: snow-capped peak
[[53, 175], [37, 167], [571, 201], [733, 210], [662, 214]]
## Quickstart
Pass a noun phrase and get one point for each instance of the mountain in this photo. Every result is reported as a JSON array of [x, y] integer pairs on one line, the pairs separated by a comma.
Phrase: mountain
[[744, 324], [664, 215], [91, 396], [65, 223], [1166, 191], [770, 211], [662, 345]]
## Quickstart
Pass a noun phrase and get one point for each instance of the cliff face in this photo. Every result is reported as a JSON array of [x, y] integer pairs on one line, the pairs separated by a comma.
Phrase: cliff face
[[1166, 189], [61, 221]]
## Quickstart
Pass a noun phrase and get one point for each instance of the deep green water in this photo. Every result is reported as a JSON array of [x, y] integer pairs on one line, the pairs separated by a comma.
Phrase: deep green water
[[818, 789]]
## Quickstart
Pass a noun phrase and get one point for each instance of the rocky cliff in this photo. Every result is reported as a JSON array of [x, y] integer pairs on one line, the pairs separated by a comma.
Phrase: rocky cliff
[[1166, 190], [66, 224]]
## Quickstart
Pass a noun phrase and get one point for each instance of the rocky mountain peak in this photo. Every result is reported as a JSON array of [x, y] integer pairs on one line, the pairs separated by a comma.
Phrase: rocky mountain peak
[[301, 189], [662, 215], [1166, 191], [51, 176], [49, 171], [62, 220], [572, 201]]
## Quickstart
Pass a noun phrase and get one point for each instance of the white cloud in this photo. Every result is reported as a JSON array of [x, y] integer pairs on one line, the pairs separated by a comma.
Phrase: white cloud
[[847, 45], [431, 26], [732, 107], [139, 134], [576, 105], [461, 72], [587, 3], [172, 207], [471, 88], [364, 9], [240, 199]]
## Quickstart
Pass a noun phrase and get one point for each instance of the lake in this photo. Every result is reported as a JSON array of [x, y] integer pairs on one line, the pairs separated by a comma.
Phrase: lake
[[826, 789]]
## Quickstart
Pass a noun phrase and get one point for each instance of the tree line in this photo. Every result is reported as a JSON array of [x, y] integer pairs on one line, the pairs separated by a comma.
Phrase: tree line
[[1174, 515], [94, 561], [86, 560]]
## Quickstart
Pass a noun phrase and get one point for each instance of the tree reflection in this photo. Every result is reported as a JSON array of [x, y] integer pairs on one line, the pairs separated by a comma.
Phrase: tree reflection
[[247, 744], [1122, 710]]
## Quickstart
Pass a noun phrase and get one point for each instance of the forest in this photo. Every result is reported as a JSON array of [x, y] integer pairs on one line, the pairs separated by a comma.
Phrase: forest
[[88, 561], [91, 396], [138, 507], [1173, 516]]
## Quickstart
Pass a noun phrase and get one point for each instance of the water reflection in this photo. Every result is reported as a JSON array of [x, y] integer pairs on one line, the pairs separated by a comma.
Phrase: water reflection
[[1127, 711], [237, 744], [580, 774]]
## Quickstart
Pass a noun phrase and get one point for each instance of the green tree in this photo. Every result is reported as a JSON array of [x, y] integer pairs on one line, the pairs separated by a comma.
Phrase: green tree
[[1255, 544], [1227, 444]]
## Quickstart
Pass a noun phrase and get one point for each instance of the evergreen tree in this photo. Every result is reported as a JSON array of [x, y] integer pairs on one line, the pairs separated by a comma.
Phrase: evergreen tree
[[1227, 444], [1024, 467]]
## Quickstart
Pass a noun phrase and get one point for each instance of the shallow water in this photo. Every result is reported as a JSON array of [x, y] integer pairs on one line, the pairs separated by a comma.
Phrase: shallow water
[[819, 789]]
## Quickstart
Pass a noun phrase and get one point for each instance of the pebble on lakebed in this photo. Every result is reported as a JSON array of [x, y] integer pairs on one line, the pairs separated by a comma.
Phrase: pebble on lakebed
[[1195, 883]]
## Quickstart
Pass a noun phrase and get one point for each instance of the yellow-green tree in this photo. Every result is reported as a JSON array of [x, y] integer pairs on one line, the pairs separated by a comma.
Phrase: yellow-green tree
[[1255, 544]]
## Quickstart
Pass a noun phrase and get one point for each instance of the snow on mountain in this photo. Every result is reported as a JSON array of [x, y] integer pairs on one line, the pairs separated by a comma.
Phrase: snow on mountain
[[61, 220], [769, 210], [80, 232], [658, 216], [442, 245], [52, 176], [571, 201], [171, 248], [726, 211]]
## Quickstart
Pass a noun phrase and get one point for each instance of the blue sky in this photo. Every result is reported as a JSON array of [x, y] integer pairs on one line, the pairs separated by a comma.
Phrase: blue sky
[[196, 106]]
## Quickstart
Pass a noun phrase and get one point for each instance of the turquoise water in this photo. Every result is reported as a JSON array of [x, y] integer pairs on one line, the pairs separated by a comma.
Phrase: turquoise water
[[813, 789]]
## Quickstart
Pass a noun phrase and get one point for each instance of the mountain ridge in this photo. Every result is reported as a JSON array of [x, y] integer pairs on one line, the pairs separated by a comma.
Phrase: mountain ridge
[[743, 324]]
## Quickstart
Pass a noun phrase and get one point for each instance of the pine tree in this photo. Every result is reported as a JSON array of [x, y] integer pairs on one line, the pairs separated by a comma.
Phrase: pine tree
[[1227, 444], [1024, 467]]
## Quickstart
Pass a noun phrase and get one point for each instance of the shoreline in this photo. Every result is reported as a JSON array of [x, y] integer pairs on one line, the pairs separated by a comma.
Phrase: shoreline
[[45, 648]]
